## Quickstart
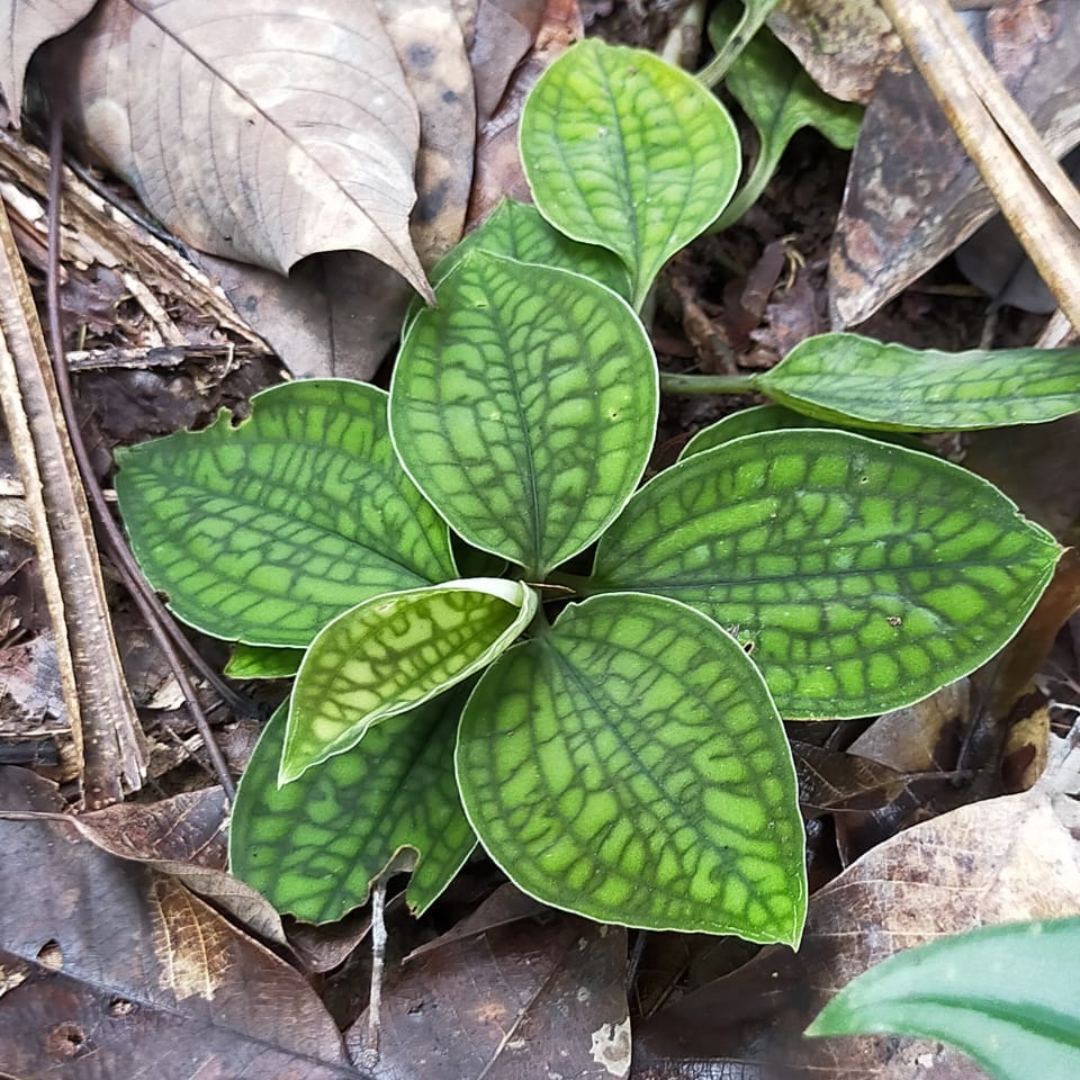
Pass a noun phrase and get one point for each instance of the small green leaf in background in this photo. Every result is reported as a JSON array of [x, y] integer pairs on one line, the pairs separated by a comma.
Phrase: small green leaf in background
[[761, 418], [750, 421], [629, 765], [779, 97], [314, 847], [848, 378], [265, 531], [525, 407], [627, 152], [1005, 995], [263, 662], [392, 653], [862, 575], [519, 231]]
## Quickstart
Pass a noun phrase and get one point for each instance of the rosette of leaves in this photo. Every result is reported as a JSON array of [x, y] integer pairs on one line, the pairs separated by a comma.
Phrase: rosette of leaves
[[591, 716]]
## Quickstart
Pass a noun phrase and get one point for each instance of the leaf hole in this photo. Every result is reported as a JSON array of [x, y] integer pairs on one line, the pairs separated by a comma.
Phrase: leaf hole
[[50, 956], [64, 1041], [120, 1007]]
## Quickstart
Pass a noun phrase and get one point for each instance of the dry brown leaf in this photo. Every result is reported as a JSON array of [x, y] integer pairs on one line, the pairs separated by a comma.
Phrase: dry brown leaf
[[26, 26], [265, 134], [523, 999], [112, 970], [845, 45], [1009, 859], [913, 195]]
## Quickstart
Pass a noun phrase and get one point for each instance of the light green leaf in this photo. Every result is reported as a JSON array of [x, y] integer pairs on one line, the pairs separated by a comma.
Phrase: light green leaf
[[392, 653], [265, 531], [315, 847], [519, 231], [780, 98], [263, 662], [848, 378], [863, 576], [733, 25], [629, 765], [745, 422], [525, 406], [627, 152], [1005, 995], [774, 418]]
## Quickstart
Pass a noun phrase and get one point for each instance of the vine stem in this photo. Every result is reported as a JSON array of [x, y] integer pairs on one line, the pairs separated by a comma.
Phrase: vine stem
[[671, 383]]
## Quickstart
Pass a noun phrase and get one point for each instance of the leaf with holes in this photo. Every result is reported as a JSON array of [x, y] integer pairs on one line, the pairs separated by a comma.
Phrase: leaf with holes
[[524, 406], [392, 653], [265, 531], [627, 152], [851, 379], [1002, 994], [863, 576], [314, 847], [629, 765]]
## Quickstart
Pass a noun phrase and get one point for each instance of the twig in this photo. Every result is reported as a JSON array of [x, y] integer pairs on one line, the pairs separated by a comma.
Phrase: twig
[[103, 721], [145, 599], [1036, 197], [370, 1058]]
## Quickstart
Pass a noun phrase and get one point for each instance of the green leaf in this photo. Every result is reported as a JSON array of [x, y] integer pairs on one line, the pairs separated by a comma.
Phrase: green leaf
[[745, 422], [525, 407], [263, 662], [779, 98], [774, 418], [265, 531], [845, 377], [392, 653], [627, 152], [629, 765], [519, 231], [863, 576], [1005, 995], [315, 847]]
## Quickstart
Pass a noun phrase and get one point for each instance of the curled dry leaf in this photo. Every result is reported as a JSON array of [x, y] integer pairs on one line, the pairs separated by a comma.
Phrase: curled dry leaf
[[26, 26], [1011, 859], [195, 110], [913, 195], [110, 970]]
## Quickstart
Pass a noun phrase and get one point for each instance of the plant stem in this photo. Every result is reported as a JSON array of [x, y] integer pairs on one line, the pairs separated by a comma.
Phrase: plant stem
[[754, 15], [671, 383]]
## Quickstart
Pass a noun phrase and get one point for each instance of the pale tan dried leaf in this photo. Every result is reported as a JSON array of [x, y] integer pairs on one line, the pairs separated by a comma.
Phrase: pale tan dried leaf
[[260, 130], [25, 27]]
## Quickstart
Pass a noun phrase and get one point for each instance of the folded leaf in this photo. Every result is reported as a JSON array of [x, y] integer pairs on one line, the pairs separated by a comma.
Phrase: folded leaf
[[525, 406], [314, 847], [392, 653], [625, 151], [862, 576], [265, 531], [629, 765], [1005, 995]]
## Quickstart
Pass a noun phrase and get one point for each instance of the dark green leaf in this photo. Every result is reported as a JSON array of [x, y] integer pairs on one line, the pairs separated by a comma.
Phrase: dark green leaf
[[627, 152], [387, 655], [314, 848], [779, 97], [863, 576], [265, 531], [848, 378], [630, 766], [525, 407], [745, 422], [1005, 995]]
